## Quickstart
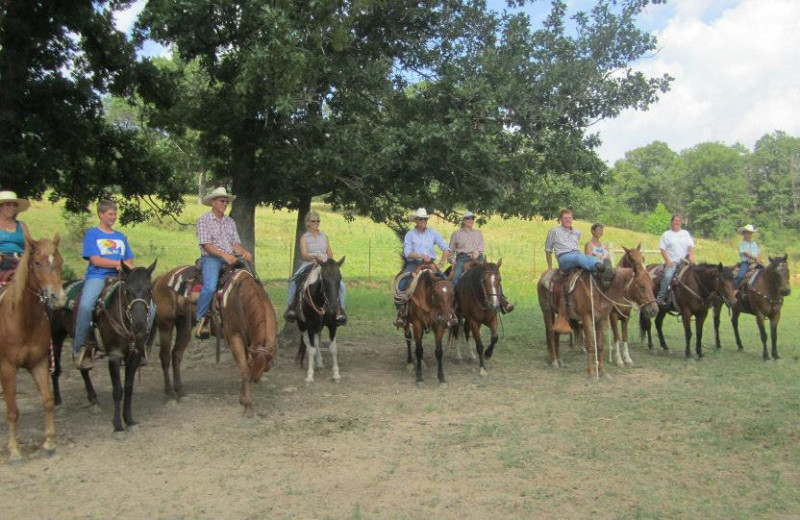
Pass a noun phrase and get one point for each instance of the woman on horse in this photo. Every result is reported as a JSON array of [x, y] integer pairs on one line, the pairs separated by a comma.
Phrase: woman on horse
[[419, 247], [594, 247], [748, 253], [13, 232], [675, 245], [314, 248], [467, 245]]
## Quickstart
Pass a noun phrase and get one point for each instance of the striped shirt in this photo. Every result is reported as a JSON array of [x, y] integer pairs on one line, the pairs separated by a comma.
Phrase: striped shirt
[[316, 245], [219, 232], [561, 240]]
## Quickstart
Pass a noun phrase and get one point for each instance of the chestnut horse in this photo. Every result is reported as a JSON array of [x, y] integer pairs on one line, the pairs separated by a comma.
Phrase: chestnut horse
[[25, 334], [251, 330], [693, 290], [592, 304], [478, 300], [320, 303], [763, 300], [633, 259], [430, 298]]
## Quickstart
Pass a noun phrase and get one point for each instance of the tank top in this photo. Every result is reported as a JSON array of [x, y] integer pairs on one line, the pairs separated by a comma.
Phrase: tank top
[[13, 242], [316, 245]]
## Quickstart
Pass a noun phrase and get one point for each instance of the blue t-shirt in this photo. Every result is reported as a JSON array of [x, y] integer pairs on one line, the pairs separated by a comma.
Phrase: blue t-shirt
[[112, 246]]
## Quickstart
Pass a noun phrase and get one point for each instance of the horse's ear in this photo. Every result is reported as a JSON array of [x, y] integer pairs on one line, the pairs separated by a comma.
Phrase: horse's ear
[[720, 268], [152, 267], [628, 251], [56, 239], [125, 269], [639, 247], [340, 262], [785, 257], [499, 263]]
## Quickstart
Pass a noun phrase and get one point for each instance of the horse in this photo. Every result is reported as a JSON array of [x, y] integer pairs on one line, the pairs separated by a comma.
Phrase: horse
[[122, 326], [24, 334], [633, 259], [763, 299], [430, 301], [478, 300], [693, 287], [320, 303], [592, 304], [250, 328]]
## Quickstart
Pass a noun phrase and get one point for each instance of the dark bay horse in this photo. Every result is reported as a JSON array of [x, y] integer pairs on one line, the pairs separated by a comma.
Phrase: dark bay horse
[[763, 300], [320, 301], [122, 325], [25, 334], [251, 330], [591, 304], [478, 300], [693, 289], [430, 302], [632, 259]]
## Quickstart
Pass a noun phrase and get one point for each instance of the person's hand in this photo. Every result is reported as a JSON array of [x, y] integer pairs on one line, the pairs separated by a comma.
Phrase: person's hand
[[670, 263], [426, 258], [475, 255], [230, 259], [247, 256]]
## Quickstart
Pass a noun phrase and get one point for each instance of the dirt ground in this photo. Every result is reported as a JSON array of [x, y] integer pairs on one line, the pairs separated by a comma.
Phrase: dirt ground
[[372, 446]]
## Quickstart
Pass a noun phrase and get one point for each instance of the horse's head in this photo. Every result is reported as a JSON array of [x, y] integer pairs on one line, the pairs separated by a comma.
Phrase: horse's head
[[490, 283], [44, 270], [443, 297], [331, 280], [777, 273], [723, 283], [640, 288], [137, 296], [632, 257]]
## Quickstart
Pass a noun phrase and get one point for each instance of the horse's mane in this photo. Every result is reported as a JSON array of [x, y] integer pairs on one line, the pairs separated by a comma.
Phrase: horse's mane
[[471, 280], [20, 279]]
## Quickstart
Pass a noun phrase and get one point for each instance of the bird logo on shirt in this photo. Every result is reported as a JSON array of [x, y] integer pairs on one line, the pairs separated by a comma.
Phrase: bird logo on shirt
[[109, 246]]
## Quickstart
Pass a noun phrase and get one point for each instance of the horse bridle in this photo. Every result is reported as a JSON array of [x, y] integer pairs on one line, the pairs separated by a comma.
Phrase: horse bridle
[[119, 326]]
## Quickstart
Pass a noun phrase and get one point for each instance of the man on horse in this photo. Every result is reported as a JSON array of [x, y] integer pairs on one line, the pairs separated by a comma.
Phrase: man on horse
[[418, 247], [563, 241], [467, 246], [219, 241], [749, 253], [675, 245]]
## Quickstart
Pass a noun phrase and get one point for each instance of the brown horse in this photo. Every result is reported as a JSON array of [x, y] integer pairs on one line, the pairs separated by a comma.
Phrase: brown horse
[[25, 334], [632, 259], [592, 304], [430, 301], [478, 297], [763, 300], [693, 290], [251, 330]]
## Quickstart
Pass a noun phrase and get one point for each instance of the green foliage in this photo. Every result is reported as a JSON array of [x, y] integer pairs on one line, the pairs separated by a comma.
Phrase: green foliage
[[77, 223], [658, 220]]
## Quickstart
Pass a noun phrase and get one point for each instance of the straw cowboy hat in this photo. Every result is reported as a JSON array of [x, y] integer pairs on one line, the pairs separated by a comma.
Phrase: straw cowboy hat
[[748, 228], [10, 196], [420, 213], [217, 193], [467, 214]]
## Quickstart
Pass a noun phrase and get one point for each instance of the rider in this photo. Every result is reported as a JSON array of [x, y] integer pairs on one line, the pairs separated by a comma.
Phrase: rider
[[594, 247], [748, 253], [467, 245], [563, 241], [219, 241], [13, 232], [418, 247], [675, 245], [314, 247], [104, 248]]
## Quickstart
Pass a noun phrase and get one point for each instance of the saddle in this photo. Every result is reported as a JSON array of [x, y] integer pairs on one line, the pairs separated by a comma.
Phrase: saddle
[[403, 296], [749, 281], [188, 281], [561, 284], [657, 274]]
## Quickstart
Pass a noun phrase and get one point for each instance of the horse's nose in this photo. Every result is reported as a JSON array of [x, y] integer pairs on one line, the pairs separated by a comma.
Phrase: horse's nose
[[786, 292]]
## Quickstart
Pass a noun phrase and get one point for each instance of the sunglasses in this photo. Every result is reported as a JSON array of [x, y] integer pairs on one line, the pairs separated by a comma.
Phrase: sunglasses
[[468, 218], [313, 221], [419, 218]]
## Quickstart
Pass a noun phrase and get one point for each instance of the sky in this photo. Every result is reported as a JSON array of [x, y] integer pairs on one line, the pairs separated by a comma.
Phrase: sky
[[736, 65]]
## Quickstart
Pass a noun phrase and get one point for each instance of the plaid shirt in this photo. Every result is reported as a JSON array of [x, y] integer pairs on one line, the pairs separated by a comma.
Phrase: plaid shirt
[[561, 240], [219, 232]]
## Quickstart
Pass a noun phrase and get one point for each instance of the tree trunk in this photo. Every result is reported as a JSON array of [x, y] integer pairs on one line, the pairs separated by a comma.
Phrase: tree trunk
[[244, 207], [244, 213], [303, 207]]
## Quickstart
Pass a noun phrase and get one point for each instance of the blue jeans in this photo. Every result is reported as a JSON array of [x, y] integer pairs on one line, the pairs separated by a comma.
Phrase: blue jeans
[[743, 267], [292, 292], [92, 288], [669, 273], [567, 261], [458, 269], [211, 268]]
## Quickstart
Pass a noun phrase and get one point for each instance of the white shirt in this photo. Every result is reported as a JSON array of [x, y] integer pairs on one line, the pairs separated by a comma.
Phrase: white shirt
[[676, 244]]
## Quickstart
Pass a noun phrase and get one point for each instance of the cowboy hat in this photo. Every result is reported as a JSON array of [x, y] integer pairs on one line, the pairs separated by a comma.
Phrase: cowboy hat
[[467, 214], [748, 228], [10, 196], [420, 213], [216, 194]]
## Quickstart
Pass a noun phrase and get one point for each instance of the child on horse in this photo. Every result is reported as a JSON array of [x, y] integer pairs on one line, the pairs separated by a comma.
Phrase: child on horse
[[748, 253]]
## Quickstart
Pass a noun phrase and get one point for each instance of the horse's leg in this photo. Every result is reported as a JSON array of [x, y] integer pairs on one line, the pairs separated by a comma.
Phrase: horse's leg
[[131, 366], [116, 392], [644, 330], [301, 351], [238, 350], [735, 323], [183, 337], [473, 351], [91, 395], [686, 318], [717, 310], [334, 353], [312, 352], [318, 359], [475, 327], [8, 378], [600, 334], [417, 326], [699, 320], [616, 345], [407, 337], [438, 333], [40, 373], [58, 343], [165, 348], [588, 340], [659, 325], [762, 332], [493, 337], [773, 332]]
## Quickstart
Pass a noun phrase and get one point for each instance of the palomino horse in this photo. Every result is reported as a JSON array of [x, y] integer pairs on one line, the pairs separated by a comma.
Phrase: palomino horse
[[591, 304], [762, 296], [25, 334], [430, 301], [693, 287], [478, 300], [251, 330], [632, 259], [320, 301], [122, 325]]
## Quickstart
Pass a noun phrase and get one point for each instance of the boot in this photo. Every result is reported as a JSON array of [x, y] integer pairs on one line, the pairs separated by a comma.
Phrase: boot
[[505, 305], [561, 325], [290, 315], [203, 330], [400, 319], [83, 359]]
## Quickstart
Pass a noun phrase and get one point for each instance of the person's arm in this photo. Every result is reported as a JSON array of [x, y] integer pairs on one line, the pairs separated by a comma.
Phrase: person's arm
[[588, 249], [213, 250], [481, 247], [99, 261], [549, 256], [690, 256], [665, 256], [445, 248], [241, 251]]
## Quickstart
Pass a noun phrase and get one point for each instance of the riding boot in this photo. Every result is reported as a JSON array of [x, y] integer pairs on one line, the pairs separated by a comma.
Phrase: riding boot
[[400, 319], [203, 329], [561, 324], [83, 359], [505, 305], [290, 315]]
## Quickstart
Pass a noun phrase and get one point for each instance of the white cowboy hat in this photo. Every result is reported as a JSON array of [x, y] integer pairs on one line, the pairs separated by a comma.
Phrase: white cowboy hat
[[10, 196], [748, 228], [467, 214], [420, 213], [217, 193]]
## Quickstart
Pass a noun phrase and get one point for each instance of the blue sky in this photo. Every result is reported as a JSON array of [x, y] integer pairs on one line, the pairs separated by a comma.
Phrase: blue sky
[[736, 65]]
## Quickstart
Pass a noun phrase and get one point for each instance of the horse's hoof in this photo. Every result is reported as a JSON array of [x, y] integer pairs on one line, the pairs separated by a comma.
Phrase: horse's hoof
[[337, 380], [740, 349], [120, 435], [132, 428], [309, 380], [48, 452], [700, 359], [410, 367], [15, 460], [248, 412], [443, 384], [483, 372]]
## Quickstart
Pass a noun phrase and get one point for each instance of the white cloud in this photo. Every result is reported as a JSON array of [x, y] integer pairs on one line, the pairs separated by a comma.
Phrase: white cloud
[[736, 77], [124, 20]]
